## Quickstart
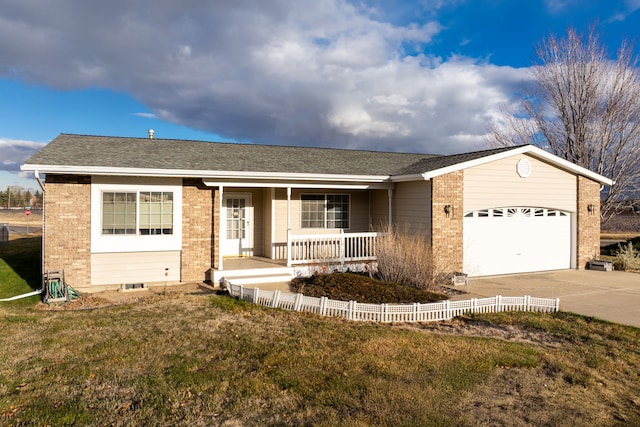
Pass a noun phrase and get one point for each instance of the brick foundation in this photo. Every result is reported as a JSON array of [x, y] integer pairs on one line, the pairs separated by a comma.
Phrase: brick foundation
[[446, 229], [197, 230], [67, 224], [588, 222]]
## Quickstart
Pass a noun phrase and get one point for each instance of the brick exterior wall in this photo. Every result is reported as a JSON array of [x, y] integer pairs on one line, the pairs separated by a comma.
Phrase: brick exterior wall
[[197, 230], [446, 230], [67, 224], [588, 223], [216, 227]]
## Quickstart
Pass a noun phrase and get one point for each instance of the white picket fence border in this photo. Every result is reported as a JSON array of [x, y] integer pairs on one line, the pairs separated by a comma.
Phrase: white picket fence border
[[392, 313]]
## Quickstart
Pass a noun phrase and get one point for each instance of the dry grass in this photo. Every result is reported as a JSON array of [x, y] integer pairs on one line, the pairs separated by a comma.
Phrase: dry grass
[[18, 217], [211, 360]]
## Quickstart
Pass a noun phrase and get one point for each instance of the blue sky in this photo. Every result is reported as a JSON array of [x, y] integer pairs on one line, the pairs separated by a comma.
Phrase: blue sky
[[383, 75]]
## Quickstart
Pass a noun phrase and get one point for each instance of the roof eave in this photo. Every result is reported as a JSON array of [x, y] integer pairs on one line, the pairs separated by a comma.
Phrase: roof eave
[[186, 173]]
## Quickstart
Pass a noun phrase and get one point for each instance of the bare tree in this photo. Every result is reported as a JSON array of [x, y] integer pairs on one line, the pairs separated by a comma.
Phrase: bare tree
[[583, 107]]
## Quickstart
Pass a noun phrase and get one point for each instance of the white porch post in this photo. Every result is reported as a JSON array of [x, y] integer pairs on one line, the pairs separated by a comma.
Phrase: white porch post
[[220, 228], [288, 226], [390, 193]]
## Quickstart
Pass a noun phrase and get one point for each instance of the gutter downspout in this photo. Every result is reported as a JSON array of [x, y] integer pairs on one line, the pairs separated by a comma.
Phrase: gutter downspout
[[42, 185]]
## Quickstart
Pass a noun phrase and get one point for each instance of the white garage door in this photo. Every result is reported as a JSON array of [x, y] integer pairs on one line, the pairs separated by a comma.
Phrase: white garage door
[[516, 240]]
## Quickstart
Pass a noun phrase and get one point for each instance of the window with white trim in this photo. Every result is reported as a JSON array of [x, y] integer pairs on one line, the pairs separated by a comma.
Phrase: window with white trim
[[137, 213], [118, 212], [324, 211]]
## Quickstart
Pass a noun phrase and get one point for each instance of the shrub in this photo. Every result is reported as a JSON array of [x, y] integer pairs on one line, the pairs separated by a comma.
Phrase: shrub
[[627, 258], [404, 257]]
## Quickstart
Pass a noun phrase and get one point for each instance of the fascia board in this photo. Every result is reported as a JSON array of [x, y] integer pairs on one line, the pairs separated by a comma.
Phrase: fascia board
[[565, 164], [292, 184], [99, 170], [405, 178]]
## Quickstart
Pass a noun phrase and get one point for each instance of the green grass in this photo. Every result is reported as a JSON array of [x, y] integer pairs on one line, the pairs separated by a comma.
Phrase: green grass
[[20, 270]]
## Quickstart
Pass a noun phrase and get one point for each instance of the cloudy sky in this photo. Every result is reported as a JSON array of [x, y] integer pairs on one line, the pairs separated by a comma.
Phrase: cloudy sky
[[412, 76]]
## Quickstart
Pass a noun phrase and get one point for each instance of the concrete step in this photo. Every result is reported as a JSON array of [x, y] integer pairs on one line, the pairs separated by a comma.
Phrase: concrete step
[[252, 272], [258, 280]]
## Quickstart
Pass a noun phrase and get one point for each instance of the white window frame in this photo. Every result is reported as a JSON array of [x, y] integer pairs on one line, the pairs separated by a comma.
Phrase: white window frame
[[325, 211], [111, 243]]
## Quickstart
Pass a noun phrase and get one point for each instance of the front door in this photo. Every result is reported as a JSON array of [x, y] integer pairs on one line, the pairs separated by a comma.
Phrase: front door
[[236, 221]]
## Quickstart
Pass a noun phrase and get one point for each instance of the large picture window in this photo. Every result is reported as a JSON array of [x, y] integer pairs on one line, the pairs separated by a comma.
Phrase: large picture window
[[142, 213], [324, 211]]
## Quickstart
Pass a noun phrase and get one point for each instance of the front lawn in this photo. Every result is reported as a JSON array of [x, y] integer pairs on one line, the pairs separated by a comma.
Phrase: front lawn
[[191, 360]]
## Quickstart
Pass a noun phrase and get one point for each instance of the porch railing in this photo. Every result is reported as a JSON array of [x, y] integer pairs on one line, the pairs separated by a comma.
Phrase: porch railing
[[340, 247]]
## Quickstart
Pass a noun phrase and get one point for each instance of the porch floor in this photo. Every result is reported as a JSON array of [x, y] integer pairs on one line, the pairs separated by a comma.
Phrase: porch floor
[[250, 263]]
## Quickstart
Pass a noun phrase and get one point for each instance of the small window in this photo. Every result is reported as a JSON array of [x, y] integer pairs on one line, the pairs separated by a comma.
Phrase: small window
[[118, 213], [337, 211], [156, 212], [483, 213], [498, 213], [324, 211]]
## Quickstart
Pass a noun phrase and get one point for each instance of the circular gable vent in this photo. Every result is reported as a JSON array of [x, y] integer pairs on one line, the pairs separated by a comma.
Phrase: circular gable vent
[[524, 168]]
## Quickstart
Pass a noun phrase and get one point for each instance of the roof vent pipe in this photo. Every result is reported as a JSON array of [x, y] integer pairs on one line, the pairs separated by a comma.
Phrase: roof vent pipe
[[151, 132]]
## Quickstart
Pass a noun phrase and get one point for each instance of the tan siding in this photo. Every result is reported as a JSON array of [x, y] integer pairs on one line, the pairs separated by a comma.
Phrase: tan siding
[[135, 267], [412, 204], [497, 184], [379, 202]]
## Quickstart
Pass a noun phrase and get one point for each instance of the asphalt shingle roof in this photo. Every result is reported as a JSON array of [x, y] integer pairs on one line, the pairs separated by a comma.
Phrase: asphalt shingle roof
[[118, 152], [439, 162], [144, 153]]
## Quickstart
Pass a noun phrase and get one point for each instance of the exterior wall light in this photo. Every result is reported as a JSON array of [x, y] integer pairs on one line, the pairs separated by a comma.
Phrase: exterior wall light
[[448, 210], [591, 208]]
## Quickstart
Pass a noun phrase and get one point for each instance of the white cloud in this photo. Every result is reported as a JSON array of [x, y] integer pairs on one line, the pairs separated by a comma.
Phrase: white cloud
[[146, 115], [323, 73], [630, 6], [15, 152]]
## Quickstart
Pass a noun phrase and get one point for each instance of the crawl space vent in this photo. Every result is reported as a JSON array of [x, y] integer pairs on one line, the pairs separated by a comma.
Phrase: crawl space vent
[[132, 286]]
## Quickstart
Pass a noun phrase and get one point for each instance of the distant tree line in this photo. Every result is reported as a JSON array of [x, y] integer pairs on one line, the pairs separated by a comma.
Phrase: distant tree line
[[17, 197]]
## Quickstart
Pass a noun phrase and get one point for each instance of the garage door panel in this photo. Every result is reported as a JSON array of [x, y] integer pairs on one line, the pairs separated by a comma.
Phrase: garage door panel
[[516, 240]]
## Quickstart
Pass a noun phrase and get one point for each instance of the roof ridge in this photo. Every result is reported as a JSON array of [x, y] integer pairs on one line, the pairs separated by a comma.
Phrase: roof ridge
[[351, 150]]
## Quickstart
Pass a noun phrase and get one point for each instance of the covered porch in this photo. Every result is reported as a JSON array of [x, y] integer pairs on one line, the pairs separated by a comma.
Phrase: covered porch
[[276, 229]]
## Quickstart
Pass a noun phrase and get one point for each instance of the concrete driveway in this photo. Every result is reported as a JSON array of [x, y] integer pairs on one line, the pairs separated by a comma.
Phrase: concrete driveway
[[608, 295]]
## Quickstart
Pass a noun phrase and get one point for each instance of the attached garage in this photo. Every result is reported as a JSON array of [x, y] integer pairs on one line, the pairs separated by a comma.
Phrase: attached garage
[[516, 240]]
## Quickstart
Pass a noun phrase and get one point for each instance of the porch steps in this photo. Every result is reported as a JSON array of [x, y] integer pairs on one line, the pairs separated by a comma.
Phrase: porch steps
[[254, 276]]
